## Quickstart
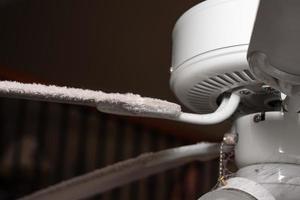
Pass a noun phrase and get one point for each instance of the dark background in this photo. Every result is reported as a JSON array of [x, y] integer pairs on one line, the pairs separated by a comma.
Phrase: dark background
[[122, 46], [109, 45]]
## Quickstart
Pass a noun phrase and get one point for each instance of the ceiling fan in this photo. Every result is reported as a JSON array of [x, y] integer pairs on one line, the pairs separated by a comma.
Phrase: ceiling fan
[[231, 59]]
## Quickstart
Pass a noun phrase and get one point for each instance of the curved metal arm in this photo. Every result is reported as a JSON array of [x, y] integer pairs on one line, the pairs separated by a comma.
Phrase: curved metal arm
[[225, 110], [115, 103]]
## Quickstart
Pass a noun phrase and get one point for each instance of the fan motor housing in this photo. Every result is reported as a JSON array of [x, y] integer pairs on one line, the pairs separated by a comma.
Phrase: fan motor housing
[[209, 58]]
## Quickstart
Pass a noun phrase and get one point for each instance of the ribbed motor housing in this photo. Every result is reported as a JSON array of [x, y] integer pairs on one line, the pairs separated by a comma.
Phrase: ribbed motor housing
[[210, 44], [201, 93]]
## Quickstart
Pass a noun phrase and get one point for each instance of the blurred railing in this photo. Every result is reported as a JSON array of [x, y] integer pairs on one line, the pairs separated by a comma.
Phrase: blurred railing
[[45, 143]]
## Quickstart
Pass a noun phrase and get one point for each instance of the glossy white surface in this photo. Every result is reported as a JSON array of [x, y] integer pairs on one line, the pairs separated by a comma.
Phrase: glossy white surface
[[226, 195], [282, 180], [202, 98], [211, 25], [226, 109], [274, 140], [248, 186], [209, 56], [274, 50], [240, 189]]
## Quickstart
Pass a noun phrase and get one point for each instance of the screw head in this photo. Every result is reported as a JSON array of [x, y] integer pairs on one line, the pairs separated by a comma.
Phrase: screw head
[[257, 118], [269, 89], [245, 92]]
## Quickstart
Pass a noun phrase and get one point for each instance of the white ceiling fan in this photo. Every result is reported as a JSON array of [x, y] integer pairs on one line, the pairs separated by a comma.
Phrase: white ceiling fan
[[231, 58]]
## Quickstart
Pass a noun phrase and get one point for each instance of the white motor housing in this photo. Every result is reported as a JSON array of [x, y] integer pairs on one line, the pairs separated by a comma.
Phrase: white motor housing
[[210, 44]]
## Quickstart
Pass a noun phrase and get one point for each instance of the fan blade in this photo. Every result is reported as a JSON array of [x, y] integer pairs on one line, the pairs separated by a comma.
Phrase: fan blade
[[274, 48], [125, 172], [127, 104], [115, 103]]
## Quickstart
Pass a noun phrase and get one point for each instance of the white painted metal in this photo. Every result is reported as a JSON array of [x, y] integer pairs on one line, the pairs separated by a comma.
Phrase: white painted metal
[[210, 44], [212, 25], [227, 195], [273, 140], [248, 186], [282, 180], [196, 86], [274, 48], [240, 189], [225, 110]]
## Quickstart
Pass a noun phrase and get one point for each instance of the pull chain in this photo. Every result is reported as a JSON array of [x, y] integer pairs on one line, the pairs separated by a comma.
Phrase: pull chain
[[229, 140], [221, 179]]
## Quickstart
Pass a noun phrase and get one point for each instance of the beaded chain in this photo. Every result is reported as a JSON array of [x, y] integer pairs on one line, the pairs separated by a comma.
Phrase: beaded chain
[[229, 141]]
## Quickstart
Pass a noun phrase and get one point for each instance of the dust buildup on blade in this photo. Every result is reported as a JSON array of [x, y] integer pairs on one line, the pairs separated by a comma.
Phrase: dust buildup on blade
[[135, 105], [123, 104], [34, 91]]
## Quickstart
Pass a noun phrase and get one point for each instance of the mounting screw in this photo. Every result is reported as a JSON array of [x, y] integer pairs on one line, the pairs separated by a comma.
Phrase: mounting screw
[[269, 89], [259, 117], [245, 92]]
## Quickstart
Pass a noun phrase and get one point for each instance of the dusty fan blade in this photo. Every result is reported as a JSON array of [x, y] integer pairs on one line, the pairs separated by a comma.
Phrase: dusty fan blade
[[127, 171], [126, 104], [115, 103]]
